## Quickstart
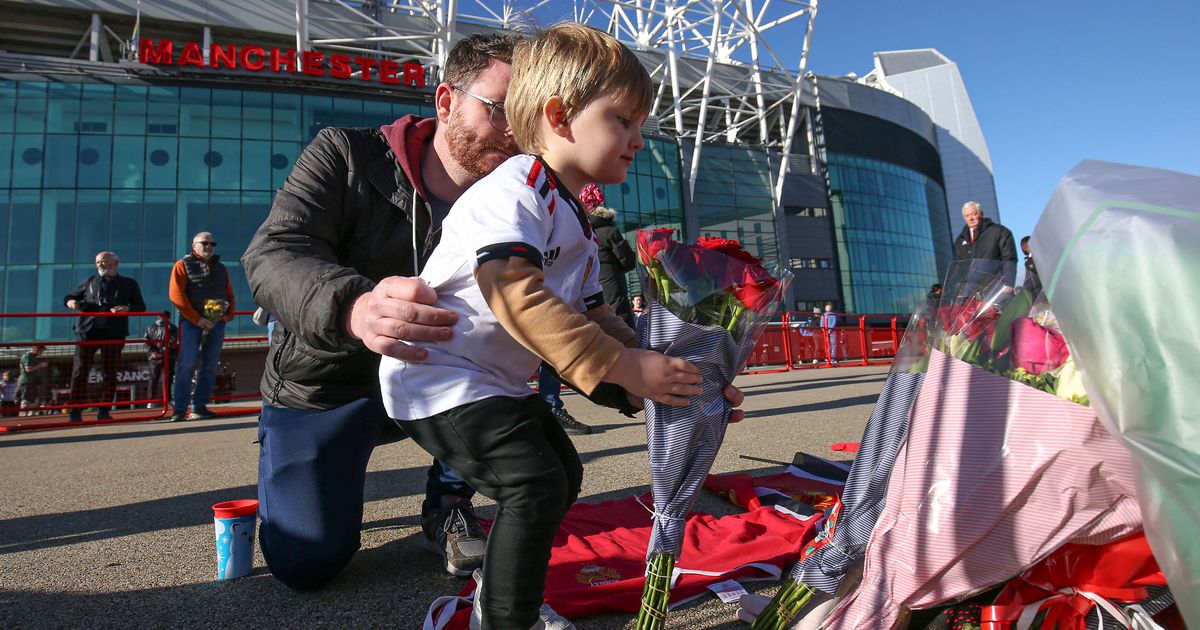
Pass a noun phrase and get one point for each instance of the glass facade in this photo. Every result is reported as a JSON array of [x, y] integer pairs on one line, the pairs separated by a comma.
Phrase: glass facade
[[139, 169], [887, 219], [733, 197], [650, 196]]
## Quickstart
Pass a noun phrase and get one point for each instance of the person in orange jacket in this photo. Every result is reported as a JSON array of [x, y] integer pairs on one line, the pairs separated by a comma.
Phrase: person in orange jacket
[[201, 290]]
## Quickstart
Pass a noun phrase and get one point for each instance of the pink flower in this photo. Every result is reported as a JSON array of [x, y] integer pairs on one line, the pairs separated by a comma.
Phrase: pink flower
[[1035, 348], [591, 196]]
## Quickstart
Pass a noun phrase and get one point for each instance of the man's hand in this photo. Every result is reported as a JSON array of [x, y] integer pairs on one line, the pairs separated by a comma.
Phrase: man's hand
[[119, 309], [397, 310], [72, 304], [732, 394], [655, 376], [204, 324]]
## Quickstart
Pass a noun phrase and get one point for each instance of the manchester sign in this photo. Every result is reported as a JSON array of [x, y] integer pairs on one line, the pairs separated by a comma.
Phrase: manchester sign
[[282, 61]]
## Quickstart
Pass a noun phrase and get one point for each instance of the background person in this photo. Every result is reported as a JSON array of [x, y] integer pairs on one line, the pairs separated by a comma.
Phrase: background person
[[197, 278], [1033, 282], [829, 322], [105, 292], [983, 239], [32, 377], [9, 405], [162, 354], [616, 257]]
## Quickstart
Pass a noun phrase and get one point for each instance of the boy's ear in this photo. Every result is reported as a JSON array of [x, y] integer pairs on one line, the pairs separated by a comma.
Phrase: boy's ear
[[441, 102], [555, 117]]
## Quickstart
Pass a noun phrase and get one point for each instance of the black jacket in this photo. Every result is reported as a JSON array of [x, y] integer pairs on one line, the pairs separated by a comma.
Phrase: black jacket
[[346, 218], [616, 259], [96, 295], [992, 242], [342, 222]]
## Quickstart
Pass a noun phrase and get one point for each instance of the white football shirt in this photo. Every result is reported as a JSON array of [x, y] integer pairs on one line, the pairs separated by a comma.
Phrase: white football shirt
[[520, 209]]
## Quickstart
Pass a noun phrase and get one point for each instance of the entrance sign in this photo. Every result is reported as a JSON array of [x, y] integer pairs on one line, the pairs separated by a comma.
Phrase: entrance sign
[[259, 59]]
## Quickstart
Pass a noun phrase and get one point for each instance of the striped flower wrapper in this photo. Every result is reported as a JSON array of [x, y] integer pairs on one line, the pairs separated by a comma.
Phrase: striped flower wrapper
[[708, 304], [992, 477]]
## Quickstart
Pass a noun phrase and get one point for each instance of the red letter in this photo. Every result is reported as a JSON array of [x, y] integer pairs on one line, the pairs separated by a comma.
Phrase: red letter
[[311, 62], [339, 65], [414, 75], [388, 70], [164, 54], [286, 59], [256, 64], [191, 55], [366, 65], [219, 56]]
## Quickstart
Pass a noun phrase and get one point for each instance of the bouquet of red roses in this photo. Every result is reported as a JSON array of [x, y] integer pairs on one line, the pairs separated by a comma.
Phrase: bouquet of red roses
[[707, 303]]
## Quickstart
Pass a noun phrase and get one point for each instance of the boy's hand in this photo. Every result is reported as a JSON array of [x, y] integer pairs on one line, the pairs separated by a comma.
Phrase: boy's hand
[[397, 310], [732, 394], [655, 376]]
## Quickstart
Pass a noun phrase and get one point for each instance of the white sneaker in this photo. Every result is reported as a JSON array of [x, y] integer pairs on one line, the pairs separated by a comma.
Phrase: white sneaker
[[547, 618]]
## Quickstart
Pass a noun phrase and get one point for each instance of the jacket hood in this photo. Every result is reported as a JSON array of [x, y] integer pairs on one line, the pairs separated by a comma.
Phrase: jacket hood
[[408, 138], [600, 212]]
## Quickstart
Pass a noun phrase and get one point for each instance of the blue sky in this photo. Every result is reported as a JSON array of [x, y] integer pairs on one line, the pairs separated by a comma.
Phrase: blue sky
[[1052, 82]]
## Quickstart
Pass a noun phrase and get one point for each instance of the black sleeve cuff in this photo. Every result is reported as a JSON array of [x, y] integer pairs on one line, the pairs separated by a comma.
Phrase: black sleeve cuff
[[605, 395]]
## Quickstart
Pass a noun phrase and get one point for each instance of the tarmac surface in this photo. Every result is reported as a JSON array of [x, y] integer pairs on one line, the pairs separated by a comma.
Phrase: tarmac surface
[[110, 526]]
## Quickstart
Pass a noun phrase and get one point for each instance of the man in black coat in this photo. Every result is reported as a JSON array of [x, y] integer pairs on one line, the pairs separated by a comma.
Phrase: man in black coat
[[105, 292], [983, 239]]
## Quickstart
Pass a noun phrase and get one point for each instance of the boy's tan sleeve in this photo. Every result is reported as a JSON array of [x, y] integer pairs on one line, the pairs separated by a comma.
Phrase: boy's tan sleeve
[[578, 349], [612, 325]]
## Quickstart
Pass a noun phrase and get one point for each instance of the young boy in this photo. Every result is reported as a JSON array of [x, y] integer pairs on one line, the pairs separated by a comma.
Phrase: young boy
[[518, 262]]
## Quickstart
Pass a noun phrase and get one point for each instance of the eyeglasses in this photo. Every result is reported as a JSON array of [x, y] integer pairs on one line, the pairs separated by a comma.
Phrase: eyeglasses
[[207, 243], [496, 115]]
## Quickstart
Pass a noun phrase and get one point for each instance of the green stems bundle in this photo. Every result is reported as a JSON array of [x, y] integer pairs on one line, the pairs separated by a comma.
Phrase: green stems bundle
[[784, 607], [652, 614]]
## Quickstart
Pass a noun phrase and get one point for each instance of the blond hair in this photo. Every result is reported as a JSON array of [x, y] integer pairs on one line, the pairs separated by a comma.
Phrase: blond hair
[[577, 63]]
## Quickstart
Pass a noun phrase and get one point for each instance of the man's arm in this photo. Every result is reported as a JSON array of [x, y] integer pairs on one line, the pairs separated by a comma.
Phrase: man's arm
[[136, 303], [177, 291], [294, 270], [76, 295], [228, 298]]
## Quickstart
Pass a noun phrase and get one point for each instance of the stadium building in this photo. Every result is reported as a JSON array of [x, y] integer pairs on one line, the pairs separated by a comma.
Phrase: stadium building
[[130, 126]]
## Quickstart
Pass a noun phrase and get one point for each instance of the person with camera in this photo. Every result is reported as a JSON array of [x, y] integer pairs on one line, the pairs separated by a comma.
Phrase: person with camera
[[105, 292]]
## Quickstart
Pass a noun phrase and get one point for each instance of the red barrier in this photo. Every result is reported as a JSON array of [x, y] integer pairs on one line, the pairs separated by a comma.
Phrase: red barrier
[[125, 381]]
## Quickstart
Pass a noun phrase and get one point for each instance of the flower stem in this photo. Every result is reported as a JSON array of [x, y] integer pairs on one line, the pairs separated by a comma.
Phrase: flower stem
[[784, 607], [652, 614]]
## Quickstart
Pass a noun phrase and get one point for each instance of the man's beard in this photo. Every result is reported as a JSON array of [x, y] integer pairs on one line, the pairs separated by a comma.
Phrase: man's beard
[[472, 154]]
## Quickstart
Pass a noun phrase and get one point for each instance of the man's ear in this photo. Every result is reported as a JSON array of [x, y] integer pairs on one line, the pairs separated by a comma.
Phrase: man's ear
[[555, 117], [441, 102]]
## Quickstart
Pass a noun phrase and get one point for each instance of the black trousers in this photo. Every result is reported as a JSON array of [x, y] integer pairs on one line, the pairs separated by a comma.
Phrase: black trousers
[[85, 355], [513, 451]]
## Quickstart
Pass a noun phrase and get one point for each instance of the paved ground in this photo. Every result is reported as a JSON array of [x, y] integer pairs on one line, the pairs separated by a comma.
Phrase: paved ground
[[110, 526]]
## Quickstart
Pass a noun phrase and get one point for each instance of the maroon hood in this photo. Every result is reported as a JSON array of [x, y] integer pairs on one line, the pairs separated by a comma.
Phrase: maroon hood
[[408, 137]]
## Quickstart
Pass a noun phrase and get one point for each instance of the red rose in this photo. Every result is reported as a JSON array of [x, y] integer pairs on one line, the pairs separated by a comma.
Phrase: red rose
[[759, 289], [652, 242], [730, 248]]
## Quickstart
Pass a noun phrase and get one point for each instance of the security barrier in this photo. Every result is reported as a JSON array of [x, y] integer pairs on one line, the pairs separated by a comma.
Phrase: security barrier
[[109, 380], [126, 381]]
